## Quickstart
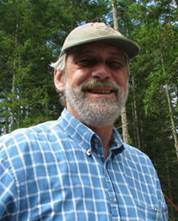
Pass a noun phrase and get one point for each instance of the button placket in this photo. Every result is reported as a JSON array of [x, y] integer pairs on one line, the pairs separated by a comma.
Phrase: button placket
[[111, 194]]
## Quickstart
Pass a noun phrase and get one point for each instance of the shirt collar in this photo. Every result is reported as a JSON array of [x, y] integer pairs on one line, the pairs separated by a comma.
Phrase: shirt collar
[[78, 131], [116, 143], [84, 136]]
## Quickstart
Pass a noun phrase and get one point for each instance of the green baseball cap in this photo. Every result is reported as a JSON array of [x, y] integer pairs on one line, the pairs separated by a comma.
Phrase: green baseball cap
[[99, 32]]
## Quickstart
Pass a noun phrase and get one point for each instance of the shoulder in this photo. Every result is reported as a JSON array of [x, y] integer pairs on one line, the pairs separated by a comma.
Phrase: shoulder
[[138, 160], [26, 139], [135, 153], [25, 149]]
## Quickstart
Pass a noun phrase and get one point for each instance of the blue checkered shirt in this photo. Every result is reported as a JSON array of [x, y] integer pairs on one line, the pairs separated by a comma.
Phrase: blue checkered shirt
[[56, 171]]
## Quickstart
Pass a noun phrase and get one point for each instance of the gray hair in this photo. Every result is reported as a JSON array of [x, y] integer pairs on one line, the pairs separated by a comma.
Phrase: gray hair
[[60, 63]]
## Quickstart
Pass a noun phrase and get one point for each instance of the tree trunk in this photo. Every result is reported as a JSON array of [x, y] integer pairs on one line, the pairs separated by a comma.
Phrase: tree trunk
[[135, 114], [173, 127], [169, 188], [171, 115], [125, 133], [115, 15], [13, 89]]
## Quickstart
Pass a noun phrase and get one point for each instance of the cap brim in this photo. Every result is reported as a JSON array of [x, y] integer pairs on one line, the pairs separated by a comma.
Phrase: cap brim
[[128, 46]]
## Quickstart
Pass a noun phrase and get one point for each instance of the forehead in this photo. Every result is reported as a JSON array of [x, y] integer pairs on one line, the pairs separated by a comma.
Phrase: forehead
[[97, 48]]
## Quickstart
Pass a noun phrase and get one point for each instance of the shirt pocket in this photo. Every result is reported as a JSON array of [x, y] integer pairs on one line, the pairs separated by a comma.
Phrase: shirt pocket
[[150, 213]]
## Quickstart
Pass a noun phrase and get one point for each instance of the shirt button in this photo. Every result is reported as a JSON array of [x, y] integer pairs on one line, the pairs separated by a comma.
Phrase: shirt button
[[88, 152], [114, 200]]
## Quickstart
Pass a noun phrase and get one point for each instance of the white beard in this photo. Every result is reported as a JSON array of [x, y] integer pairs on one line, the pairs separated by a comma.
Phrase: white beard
[[102, 112]]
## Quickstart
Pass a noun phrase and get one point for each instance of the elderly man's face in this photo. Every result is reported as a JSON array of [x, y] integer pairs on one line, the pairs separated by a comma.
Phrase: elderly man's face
[[95, 83]]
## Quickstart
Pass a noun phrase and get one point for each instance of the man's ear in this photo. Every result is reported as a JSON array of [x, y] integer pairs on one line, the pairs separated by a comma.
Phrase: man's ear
[[59, 80]]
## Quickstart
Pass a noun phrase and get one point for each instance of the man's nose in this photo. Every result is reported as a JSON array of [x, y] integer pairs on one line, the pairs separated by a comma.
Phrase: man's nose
[[101, 71]]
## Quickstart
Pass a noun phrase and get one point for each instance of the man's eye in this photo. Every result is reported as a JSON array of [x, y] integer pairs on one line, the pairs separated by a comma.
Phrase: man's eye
[[114, 64], [87, 62]]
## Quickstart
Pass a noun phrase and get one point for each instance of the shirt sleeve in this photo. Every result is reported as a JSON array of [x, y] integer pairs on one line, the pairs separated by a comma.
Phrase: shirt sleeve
[[8, 190]]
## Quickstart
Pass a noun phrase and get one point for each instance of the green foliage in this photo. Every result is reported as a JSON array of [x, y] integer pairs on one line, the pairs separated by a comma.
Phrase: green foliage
[[31, 35]]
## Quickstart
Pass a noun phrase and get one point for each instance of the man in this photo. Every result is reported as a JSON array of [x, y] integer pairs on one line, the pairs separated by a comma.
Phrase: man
[[77, 167]]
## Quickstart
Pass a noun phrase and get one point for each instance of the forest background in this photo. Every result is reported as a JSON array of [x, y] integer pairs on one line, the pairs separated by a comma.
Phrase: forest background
[[31, 35]]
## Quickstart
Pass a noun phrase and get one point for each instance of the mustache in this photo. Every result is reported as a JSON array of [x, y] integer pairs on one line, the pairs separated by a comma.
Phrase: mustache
[[93, 83]]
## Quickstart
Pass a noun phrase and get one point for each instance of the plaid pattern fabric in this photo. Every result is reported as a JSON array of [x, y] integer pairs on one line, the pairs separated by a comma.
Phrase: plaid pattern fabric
[[55, 172]]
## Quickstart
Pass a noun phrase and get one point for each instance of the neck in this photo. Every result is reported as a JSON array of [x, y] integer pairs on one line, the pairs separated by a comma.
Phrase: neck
[[105, 134]]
